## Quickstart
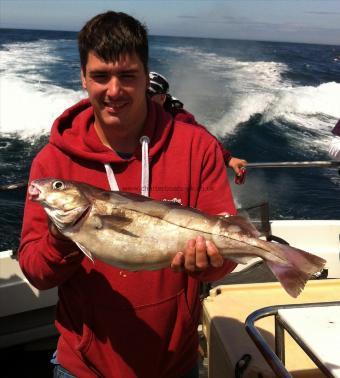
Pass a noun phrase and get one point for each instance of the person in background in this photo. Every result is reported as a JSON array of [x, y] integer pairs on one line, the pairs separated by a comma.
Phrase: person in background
[[159, 92], [114, 322], [334, 148]]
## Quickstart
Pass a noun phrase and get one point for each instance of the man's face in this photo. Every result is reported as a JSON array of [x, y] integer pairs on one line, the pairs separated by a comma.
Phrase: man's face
[[117, 91]]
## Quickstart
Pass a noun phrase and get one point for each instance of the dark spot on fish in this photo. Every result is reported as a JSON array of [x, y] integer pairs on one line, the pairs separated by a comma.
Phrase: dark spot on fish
[[125, 232], [156, 212], [105, 195]]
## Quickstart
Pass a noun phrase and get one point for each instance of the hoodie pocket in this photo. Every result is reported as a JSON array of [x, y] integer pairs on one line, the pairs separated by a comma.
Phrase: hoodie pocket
[[145, 341]]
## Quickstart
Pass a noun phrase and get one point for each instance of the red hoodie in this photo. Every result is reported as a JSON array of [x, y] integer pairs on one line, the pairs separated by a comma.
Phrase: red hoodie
[[112, 322]]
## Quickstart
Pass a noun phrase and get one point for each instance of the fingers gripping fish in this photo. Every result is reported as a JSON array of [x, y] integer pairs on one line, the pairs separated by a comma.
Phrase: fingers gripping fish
[[134, 232]]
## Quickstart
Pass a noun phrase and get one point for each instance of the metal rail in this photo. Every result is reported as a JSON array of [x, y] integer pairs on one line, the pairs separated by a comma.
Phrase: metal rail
[[296, 164], [276, 360]]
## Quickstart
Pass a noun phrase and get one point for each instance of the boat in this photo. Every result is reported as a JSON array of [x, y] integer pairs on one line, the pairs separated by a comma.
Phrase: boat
[[233, 352], [27, 314], [243, 313]]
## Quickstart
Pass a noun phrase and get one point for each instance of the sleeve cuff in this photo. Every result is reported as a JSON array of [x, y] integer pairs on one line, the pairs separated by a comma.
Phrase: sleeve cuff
[[226, 157]]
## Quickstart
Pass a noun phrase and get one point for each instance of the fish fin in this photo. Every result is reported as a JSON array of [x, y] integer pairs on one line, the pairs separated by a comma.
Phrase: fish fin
[[116, 219], [296, 267], [85, 251], [117, 223], [302, 260], [291, 279], [239, 224], [124, 232]]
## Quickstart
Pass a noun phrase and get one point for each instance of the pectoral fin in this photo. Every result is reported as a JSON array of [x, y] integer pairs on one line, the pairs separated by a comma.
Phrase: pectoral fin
[[117, 223], [85, 251], [119, 220]]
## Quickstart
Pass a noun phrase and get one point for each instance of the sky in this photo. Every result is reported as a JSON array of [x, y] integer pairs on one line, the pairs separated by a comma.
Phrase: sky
[[308, 21]]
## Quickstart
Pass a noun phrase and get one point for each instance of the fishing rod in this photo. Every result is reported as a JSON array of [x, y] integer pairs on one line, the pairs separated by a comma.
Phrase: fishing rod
[[296, 164]]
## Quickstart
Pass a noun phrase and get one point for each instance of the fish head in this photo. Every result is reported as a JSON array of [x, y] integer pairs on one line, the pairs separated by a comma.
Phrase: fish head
[[64, 201]]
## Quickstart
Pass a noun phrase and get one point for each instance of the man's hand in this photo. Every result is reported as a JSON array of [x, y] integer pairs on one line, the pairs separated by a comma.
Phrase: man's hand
[[237, 165], [58, 235], [198, 255]]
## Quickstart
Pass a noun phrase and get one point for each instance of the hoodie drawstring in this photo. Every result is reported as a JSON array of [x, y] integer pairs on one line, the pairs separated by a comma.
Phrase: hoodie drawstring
[[144, 140], [111, 177]]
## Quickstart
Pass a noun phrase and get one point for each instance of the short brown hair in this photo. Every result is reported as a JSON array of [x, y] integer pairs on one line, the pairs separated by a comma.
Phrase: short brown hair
[[110, 35]]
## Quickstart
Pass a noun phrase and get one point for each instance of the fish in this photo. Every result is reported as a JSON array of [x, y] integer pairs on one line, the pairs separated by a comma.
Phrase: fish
[[134, 232]]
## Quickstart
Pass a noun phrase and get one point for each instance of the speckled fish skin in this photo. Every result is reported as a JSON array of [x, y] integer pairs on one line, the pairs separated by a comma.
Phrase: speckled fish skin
[[134, 232]]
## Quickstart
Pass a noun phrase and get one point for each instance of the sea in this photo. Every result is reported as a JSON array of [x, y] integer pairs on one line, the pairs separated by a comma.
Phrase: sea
[[266, 102]]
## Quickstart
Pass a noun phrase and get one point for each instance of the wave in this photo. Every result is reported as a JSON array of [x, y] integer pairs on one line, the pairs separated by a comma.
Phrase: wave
[[318, 103], [307, 107], [31, 98], [29, 109], [259, 74], [248, 88], [265, 88], [28, 59]]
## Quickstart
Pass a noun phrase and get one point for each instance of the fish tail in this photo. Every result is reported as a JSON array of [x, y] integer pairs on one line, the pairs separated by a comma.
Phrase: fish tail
[[294, 267]]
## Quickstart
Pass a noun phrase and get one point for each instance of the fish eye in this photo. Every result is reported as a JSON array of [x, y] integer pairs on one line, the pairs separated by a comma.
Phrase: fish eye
[[59, 185]]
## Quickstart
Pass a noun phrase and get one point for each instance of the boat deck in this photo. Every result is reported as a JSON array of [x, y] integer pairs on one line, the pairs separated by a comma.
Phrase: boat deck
[[224, 315]]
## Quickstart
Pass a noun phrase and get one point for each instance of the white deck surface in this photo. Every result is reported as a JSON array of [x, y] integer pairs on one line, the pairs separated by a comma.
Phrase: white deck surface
[[319, 329]]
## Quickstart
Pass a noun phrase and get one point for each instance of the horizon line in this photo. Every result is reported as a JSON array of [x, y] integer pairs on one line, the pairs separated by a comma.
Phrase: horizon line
[[182, 36]]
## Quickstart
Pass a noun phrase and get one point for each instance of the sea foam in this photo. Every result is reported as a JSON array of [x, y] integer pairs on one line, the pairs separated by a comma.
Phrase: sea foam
[[30, 109], [29, 101], [308, 107], [302, 104], [262, 87]]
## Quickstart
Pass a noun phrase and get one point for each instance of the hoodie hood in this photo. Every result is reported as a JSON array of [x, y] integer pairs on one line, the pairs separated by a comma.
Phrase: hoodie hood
[[73, 132]]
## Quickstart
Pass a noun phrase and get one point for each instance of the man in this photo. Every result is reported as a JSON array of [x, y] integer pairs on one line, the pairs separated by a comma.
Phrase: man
[[116, 323], [159, 92]]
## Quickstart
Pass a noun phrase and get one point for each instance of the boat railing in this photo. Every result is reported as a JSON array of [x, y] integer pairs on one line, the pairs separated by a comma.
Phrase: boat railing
[[296, 164], [258, 165], [276, 360]]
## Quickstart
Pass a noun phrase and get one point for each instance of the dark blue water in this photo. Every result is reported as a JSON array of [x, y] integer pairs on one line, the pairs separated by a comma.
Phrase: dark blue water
[[266, 101]]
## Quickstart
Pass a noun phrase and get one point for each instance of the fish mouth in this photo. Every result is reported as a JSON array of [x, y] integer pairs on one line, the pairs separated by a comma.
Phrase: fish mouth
[[33, 192]]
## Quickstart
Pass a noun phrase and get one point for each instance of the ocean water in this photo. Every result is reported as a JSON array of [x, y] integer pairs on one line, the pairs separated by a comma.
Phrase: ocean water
[[266, 101]]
